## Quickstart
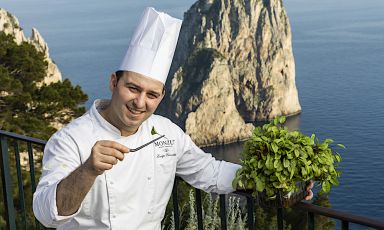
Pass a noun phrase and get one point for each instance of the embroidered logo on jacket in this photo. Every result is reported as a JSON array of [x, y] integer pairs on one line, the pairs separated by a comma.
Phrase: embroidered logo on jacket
[[164, 148], [164, 143]]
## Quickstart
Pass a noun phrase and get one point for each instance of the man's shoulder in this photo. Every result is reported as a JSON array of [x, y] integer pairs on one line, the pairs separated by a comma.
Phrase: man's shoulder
[[80, 126]]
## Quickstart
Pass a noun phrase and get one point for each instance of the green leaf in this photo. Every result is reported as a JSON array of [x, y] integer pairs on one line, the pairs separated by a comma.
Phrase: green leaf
[[270, 192], [295, 134], [260, 164], [250, 184], [277, 164], [297, 152], [328, 141], [276, 121], [153, 131], [323, 146], [341, 146], [286, 163], [277, 141], [316, 170], [269, 162], [241, 184], [253, 162], [234, 183], [304, 155], [334, 181], [309, 150], [303, 171], [260, 184], [325, 186], [282, 120], [275, 148], [337, 157], [292, 173]]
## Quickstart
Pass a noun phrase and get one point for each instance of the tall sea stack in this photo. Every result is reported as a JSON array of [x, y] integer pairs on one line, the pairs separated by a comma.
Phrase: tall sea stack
[[233, 65]]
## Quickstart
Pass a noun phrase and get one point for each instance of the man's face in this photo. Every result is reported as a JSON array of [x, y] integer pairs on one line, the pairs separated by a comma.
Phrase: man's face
[[134, 98]]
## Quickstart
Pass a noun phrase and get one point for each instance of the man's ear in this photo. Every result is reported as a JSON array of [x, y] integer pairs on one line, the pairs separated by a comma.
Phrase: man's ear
[[113, 82], [163, 93]]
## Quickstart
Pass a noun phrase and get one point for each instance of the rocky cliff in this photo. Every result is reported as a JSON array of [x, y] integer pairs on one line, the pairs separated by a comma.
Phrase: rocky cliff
[[233, 65], [10, 25]]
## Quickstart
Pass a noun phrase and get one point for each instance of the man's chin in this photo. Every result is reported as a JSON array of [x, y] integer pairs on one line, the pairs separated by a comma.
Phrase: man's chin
[[135, 120]]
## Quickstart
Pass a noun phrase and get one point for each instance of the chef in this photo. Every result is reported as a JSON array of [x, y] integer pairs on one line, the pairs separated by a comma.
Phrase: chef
[[91, 180], [95, 177]]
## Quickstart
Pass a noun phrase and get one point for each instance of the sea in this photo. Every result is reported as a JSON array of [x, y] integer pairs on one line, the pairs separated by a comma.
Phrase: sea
[[339, 55]]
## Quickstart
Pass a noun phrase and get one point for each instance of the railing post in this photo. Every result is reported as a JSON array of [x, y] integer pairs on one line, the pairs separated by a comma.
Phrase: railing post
[[199, 209], [345, 225], [20, 183], [7, 185], [250, 211], [311, 221], [33, 177], [31, 167], [223, 213], [175, 203], [280, 221]]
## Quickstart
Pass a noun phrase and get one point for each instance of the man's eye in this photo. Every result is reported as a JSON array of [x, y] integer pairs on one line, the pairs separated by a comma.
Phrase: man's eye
[[152, 96], [133, 89]]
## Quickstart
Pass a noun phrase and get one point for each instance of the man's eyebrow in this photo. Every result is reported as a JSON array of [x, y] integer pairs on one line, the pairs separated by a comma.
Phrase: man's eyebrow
[[133, 84], [154, 93], [140, 88]]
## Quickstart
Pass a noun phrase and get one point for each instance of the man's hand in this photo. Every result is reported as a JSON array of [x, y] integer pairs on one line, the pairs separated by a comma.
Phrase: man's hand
[[104, 155], [309, 191], [72, 190]]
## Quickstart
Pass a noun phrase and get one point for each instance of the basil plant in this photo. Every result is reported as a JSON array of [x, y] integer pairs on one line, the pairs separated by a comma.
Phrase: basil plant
[[275, 159]]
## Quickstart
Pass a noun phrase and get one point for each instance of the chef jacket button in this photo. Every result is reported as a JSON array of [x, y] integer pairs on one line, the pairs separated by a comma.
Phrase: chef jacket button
[[149, 178], [149, 212], [111, 182]]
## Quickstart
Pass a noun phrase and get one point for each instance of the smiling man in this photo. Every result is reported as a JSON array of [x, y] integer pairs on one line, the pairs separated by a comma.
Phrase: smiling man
[[91, 179]]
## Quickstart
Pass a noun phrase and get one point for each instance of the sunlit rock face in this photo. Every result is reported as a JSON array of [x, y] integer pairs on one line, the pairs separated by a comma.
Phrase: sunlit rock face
[[9, 24], [233, 65]]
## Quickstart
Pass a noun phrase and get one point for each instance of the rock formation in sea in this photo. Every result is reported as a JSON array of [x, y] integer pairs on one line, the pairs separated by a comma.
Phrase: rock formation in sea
[[9, 24], [233, 66]]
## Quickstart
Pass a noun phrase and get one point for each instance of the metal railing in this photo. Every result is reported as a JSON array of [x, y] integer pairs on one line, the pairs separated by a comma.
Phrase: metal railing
[[10, 142], [310, 209]]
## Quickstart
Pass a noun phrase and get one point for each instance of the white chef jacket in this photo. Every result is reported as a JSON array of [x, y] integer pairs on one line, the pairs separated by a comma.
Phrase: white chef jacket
[[135, 192]]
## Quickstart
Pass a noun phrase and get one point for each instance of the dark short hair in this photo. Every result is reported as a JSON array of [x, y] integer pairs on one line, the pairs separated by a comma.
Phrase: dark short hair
[[120, 74]]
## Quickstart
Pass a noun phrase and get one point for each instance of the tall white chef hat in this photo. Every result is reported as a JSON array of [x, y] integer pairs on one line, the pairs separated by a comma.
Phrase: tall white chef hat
[[152, 45]]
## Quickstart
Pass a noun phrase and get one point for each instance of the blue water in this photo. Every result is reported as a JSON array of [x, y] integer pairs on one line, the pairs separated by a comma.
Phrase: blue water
[[339, 52]]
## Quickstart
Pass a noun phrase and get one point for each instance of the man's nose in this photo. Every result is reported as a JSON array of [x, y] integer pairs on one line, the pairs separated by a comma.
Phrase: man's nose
[[140, 101]]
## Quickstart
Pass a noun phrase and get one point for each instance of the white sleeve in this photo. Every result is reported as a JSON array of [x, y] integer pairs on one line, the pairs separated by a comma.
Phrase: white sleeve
[[202, 171], [61, 157]]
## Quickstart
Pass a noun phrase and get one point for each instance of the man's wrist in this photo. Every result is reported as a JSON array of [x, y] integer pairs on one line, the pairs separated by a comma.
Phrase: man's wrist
[[88, 171]]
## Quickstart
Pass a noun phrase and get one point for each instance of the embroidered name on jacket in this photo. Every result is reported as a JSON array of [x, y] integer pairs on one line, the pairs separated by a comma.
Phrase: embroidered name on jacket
[[164, 148], [164, 143]]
